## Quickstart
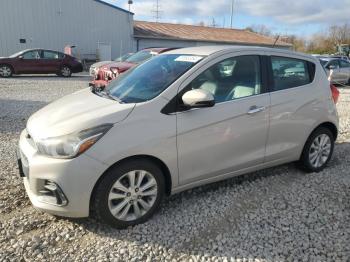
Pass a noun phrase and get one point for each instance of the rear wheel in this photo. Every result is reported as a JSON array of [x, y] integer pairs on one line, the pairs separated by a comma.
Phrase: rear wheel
[[129, 194], [5, 71], [318, 150], [65, 71]]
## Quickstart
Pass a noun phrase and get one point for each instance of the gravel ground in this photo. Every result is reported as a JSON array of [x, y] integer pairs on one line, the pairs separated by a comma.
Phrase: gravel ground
[[279, 214]]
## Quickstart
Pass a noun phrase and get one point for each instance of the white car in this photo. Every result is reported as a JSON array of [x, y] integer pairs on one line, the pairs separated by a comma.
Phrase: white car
[[186, 118], [338, 70]]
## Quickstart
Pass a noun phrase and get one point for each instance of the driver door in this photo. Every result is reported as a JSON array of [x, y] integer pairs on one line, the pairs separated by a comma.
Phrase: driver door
[[29, 62], [230, 136]]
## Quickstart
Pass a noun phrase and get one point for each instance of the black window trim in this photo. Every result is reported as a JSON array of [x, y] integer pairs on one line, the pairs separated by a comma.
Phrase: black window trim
[[271, 80], [175, 106]]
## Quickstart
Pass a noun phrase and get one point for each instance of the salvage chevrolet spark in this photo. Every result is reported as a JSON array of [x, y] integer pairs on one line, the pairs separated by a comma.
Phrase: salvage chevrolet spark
[[183, 119]]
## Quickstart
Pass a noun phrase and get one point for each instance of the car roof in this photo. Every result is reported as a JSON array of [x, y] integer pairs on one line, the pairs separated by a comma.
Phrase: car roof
[[159, 49], [209, 50], [328, 59], [38, 49]]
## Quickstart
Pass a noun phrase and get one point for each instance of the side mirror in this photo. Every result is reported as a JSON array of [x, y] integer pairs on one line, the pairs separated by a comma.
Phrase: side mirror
[[20, 57], [332, 67], [198, 98]]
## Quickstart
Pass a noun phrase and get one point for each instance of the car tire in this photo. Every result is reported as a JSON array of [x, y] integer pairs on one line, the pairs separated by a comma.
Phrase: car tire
[[65, 71], [6, 71], [114, 193], [318, 150]]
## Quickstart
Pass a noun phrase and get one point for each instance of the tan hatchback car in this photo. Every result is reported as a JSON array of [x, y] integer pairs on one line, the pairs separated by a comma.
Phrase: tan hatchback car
[[185, 118]]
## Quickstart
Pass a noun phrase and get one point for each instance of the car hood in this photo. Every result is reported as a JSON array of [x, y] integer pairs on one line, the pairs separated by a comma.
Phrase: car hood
[[102, 63], [76, 112], [122, 66]]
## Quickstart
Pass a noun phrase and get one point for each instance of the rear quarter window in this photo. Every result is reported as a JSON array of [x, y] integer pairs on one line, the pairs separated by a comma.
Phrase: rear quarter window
[[291, 72]]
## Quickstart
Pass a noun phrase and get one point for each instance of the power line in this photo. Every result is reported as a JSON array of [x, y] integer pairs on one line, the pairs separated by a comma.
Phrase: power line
[[232, 8]]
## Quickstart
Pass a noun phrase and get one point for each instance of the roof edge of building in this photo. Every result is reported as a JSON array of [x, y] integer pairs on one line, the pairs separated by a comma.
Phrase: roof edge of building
[[279, 42], [114, 6], [210, 41]]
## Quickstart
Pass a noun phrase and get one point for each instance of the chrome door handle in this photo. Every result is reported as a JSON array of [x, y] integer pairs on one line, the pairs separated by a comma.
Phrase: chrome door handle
[[256, 109]]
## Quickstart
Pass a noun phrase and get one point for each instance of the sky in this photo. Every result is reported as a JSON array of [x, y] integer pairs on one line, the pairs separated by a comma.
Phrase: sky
[[301, 17]]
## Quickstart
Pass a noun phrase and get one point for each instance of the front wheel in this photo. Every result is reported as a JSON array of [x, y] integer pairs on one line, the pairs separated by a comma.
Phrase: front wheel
[[318, 150], [5, 71], [129, 194], [65, 71]]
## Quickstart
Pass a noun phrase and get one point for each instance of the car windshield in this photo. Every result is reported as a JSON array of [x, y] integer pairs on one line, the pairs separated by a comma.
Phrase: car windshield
[[139, 57], [148, 80], [16, 54], [123, 58]]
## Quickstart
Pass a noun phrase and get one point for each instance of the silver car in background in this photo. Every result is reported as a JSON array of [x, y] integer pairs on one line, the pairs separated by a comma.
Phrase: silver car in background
[[185, 118], [337, 69]]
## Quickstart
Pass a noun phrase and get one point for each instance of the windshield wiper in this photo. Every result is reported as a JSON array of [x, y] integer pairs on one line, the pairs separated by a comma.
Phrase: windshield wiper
[[108, 94]]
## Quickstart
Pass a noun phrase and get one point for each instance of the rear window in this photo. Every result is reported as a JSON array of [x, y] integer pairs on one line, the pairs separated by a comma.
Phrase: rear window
[[291, 72]]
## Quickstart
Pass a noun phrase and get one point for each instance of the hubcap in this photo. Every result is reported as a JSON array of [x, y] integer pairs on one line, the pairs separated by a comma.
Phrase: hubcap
[[5, 71], [132, 195], [320, 150], [65, 71]]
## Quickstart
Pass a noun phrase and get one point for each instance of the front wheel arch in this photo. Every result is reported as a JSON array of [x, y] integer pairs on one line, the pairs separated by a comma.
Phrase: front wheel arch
[[155, 160]]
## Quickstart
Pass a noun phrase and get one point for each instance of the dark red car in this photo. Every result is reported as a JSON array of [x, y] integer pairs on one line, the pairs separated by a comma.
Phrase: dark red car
[[39, 61], [106, 73]]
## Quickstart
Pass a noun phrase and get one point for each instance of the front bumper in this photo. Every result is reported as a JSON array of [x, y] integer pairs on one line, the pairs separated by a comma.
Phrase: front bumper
[[74, 177]]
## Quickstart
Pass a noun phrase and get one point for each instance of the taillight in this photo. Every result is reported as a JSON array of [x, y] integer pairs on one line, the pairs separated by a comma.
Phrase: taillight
[[335, 93]]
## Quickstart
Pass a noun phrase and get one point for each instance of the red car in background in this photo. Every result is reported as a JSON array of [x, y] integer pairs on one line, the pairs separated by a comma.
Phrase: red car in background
[[39, 61], [106, 73]]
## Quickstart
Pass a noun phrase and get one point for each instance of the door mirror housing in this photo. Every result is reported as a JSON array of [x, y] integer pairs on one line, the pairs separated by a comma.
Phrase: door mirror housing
[[198, 98], [20, 57], [332, 67]]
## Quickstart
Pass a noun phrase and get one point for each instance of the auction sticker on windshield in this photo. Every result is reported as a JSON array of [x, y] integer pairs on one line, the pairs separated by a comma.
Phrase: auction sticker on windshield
[[188, 58]]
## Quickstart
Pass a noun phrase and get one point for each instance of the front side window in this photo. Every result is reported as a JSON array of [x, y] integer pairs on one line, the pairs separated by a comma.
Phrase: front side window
[[333, 64], [289, 73], [31, 55], [231, 79], [50, 55], [148, 80], [344, 64]]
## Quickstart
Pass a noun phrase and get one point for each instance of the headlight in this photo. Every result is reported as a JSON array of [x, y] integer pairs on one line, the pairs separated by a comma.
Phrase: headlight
[[72, 145]]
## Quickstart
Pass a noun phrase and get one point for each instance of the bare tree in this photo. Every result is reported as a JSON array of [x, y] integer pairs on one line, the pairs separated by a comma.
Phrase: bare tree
[[339, 34], [260, 29]]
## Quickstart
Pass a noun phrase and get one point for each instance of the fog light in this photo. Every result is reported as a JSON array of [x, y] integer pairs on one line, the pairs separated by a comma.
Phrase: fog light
[[52, 194]]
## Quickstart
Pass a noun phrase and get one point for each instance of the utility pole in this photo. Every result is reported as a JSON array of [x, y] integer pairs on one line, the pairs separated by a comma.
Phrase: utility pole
[[232, 8], [130, 2], [157, 11]]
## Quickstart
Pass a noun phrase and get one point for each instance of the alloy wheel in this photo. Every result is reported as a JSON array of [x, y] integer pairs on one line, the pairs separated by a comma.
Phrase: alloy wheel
[[320, 150], [132, 195], [5, 71], [66, 71]]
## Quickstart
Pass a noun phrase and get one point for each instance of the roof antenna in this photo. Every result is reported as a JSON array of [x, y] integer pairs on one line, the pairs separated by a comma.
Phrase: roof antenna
[[277, 38]]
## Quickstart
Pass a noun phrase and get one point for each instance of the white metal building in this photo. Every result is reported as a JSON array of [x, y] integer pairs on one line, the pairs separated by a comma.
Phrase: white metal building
[[53, 24]]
